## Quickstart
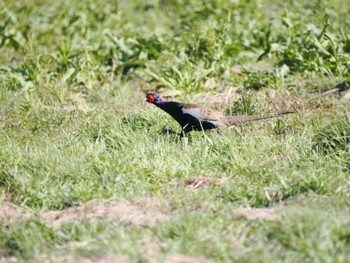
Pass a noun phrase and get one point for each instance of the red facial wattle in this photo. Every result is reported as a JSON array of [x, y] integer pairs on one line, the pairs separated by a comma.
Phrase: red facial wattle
[[150, 98]]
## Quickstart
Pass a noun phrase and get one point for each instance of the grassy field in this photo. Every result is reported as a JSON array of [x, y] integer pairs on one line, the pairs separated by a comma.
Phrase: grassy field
[[85, 175]]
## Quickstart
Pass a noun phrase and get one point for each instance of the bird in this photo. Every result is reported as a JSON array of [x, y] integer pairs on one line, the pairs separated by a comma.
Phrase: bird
[[342, 89], [192, 117]]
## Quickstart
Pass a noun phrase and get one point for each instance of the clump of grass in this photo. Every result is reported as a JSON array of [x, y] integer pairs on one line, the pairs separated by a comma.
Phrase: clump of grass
[[333, 138], [260, 80]]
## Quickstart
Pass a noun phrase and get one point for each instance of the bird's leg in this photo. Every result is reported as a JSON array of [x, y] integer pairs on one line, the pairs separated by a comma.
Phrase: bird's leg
[[184, 131], [169, 131]]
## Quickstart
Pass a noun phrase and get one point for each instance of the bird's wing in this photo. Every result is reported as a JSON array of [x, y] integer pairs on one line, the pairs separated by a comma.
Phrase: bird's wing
[[201, 113]]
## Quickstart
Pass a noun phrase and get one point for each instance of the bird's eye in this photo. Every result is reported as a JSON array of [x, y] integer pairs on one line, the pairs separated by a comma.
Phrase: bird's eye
[[150, 98]]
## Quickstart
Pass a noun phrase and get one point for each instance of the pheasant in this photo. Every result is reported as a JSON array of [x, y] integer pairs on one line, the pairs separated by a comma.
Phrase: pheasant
[[192, 117]]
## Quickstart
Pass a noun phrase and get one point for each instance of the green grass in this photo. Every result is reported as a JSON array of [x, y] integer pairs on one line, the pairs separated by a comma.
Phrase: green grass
[[74, 129]]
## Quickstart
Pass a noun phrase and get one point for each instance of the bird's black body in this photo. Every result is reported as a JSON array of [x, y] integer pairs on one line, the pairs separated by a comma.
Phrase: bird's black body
[[186, 121]]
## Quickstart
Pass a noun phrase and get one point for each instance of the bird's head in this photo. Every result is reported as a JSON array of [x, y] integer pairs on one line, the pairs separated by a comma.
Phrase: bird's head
[[153, 98]]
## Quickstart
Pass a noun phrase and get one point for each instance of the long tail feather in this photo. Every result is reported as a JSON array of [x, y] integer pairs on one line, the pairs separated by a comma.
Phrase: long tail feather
[[239, 119]]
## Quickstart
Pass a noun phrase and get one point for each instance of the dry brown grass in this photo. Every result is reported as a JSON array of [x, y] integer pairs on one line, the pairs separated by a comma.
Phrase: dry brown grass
[[205, 181]]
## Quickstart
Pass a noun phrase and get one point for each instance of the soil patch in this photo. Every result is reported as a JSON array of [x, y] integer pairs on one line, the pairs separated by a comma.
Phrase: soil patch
[[151, 252], [256, 213], [8, 260], [9, 211], [97, 259], [142, 212], [184, 259]]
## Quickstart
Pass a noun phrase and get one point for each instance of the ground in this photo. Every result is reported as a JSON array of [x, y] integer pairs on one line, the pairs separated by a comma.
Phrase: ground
[[85, 175]]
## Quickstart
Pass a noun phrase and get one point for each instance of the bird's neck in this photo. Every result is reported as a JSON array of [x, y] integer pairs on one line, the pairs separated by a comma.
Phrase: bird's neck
[[169, 106], [164, 105]]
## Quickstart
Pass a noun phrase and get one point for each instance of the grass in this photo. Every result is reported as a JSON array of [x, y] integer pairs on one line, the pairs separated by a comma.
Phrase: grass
[[74, 129]]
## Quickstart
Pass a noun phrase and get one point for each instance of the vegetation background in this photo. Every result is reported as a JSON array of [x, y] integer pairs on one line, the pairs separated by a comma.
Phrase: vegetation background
[[85, 175]]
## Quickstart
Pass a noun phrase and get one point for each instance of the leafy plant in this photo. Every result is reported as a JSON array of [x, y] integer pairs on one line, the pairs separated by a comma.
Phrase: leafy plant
[[187, 78], [308, 48]]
